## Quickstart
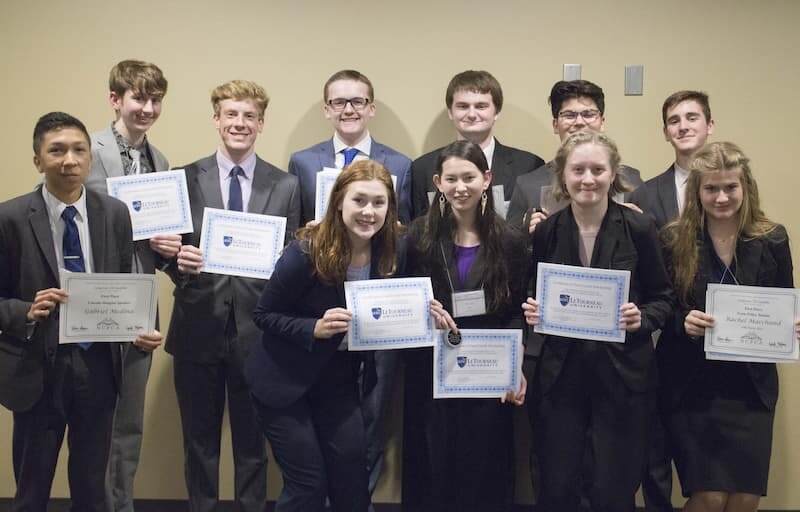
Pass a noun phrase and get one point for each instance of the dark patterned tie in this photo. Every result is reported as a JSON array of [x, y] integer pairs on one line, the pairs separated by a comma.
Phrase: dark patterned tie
[[71, 248], [235, 190]]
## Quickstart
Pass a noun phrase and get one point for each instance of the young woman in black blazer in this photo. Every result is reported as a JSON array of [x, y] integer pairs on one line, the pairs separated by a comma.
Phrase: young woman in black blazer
[[463, 447], [590, 391], [303, 380], [719, 413]]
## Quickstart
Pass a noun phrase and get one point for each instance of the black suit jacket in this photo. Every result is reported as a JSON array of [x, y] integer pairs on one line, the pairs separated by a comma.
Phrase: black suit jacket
[[527, 192], [28, 264], [765, 261], [627, 240], [658, 197], [289, 359], [507, 164], [204, 303]]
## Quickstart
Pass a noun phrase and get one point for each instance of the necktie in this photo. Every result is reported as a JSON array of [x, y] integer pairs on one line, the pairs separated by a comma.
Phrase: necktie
[[349, 155], [235, 190], [71, 248]]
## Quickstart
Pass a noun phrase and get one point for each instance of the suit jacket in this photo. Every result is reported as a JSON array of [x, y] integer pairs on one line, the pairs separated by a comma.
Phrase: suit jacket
[[305, 164], [107, 163], [527, 192], [765, 261], [627, 240], [204, 303], [507, 165], [28, 264], [288, 360], [658, 197]]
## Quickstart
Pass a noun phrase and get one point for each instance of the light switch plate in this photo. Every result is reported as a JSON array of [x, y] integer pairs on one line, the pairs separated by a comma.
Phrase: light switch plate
[[634, 80], [572, 72]]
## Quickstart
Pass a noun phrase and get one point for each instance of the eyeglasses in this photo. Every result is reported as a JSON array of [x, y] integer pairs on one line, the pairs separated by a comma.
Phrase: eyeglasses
[[339, 104], [572, 116]]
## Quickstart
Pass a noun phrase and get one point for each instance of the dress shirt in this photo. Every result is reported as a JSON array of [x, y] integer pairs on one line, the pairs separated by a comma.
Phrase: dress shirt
[[54, 210], [364, 147], [681, 176], [248, 165], [489, 152]]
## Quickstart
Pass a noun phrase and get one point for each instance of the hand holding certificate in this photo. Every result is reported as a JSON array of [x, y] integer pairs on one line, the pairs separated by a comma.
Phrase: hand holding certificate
[[157, 202], [106, 307], [390, 313], [241, 244], [752, 323], [486, 364], [582, 302]]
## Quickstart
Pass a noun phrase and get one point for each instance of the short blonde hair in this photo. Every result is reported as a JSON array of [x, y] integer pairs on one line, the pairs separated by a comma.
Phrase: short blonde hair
[[240, 90], [578, 139]]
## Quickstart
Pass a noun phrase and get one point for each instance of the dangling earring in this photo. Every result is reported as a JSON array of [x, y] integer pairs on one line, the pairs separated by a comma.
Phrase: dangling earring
[[442, 202], [483, 203]]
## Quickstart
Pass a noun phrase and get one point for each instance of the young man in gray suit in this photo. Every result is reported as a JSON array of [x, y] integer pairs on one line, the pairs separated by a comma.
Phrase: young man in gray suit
[[576, 105], [687, 125], [349, 104], [136, 92], [212, 327], [50, 387], [474, 100]]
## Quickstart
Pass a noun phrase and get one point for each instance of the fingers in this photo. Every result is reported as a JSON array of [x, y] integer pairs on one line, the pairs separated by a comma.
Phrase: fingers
[[630, 317], [149, 341], [190, 259], [696, 323], [167, 246], [632, 207], [537, 217], [442, 317], [530, 309], [44, 302], [334, 321]]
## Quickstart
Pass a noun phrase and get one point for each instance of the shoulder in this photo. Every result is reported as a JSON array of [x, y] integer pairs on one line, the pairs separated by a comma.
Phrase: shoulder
[[397, 157], [639, 224], [274, 172], [631, 173], [517, 154], [18, 205], [200, 165], [428, 160], [295, 261], [105, 202], [542, 174], [514, 239], [311, 150], [777, 237], [102, 138]]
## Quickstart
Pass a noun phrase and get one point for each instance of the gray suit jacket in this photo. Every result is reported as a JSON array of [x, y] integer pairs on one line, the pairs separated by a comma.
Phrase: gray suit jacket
[[28, 264], [658, 197], [526, 194], [305, 164], [204, 304], [107, 163]]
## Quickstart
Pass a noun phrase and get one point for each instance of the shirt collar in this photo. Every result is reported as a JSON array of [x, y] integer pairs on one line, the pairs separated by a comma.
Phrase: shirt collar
[[55, 207], [225, 165], [123, 143], [488, 151], [364, 145], [681, 174]]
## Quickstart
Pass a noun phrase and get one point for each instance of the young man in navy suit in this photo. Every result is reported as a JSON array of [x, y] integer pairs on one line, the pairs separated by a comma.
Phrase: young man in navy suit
[[474, 100], [349, 104], [687, 125], [136, 91]]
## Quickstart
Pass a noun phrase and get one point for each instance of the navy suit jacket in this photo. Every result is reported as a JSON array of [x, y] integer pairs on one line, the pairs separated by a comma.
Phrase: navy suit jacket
[[658, 197], [28, 264], [305, 164], [288, 360]]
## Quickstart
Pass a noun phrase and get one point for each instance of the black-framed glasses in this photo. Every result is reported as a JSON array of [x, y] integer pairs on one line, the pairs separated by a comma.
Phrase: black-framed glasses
[[339, 104], [587, 115]]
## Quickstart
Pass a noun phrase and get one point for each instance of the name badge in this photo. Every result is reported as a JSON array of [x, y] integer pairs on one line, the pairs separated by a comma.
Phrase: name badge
[[471, 303]]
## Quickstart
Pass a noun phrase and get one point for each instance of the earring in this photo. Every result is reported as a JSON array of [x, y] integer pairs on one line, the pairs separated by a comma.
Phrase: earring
[[483, 203], [442, 202]]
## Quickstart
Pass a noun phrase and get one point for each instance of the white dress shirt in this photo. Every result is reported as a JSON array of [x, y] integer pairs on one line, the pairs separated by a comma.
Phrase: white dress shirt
[[248, 165], [54, 210], [364, 147], [681, 177]]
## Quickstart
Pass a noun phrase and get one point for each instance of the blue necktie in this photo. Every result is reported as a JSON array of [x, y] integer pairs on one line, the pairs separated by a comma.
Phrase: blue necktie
[[71, 248], [235, 190], [349, 155]]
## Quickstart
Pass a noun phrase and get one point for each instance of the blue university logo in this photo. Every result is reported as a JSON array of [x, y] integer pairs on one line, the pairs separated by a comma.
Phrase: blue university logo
[[137, 206], [376, 313], [563, 299], [462, 361], [227, 240]]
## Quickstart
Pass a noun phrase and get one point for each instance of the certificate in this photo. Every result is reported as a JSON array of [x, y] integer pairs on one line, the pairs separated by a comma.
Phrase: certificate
[[106, 307], [752, 323], [581, 302], [325, 181], [241, 244], [158, 202], [390, 313], [486, 364]]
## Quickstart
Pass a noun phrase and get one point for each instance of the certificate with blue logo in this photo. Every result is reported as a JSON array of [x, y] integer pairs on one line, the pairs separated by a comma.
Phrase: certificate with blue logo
[[241, 244], [486, 364], [581, 302], [158, 202], [390, 313], [752, 323]]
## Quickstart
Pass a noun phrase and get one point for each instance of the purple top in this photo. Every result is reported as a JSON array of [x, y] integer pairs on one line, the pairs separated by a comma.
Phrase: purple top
[[465, 257]]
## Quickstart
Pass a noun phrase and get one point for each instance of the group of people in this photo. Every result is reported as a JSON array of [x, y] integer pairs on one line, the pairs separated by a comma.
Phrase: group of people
[[473, 215]]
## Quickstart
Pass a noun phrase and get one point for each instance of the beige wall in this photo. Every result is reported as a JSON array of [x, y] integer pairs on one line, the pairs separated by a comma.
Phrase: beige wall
[[56, 56]]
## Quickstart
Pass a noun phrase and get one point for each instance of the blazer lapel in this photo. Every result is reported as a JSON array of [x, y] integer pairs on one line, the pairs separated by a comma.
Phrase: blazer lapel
[[326, 156], [40, 224], [109, 154], [748, 261], [377, 153], [502, 160], [209, 183], [97, 232], [263, 183], [564, 239], [608, 238], [668, 194]]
